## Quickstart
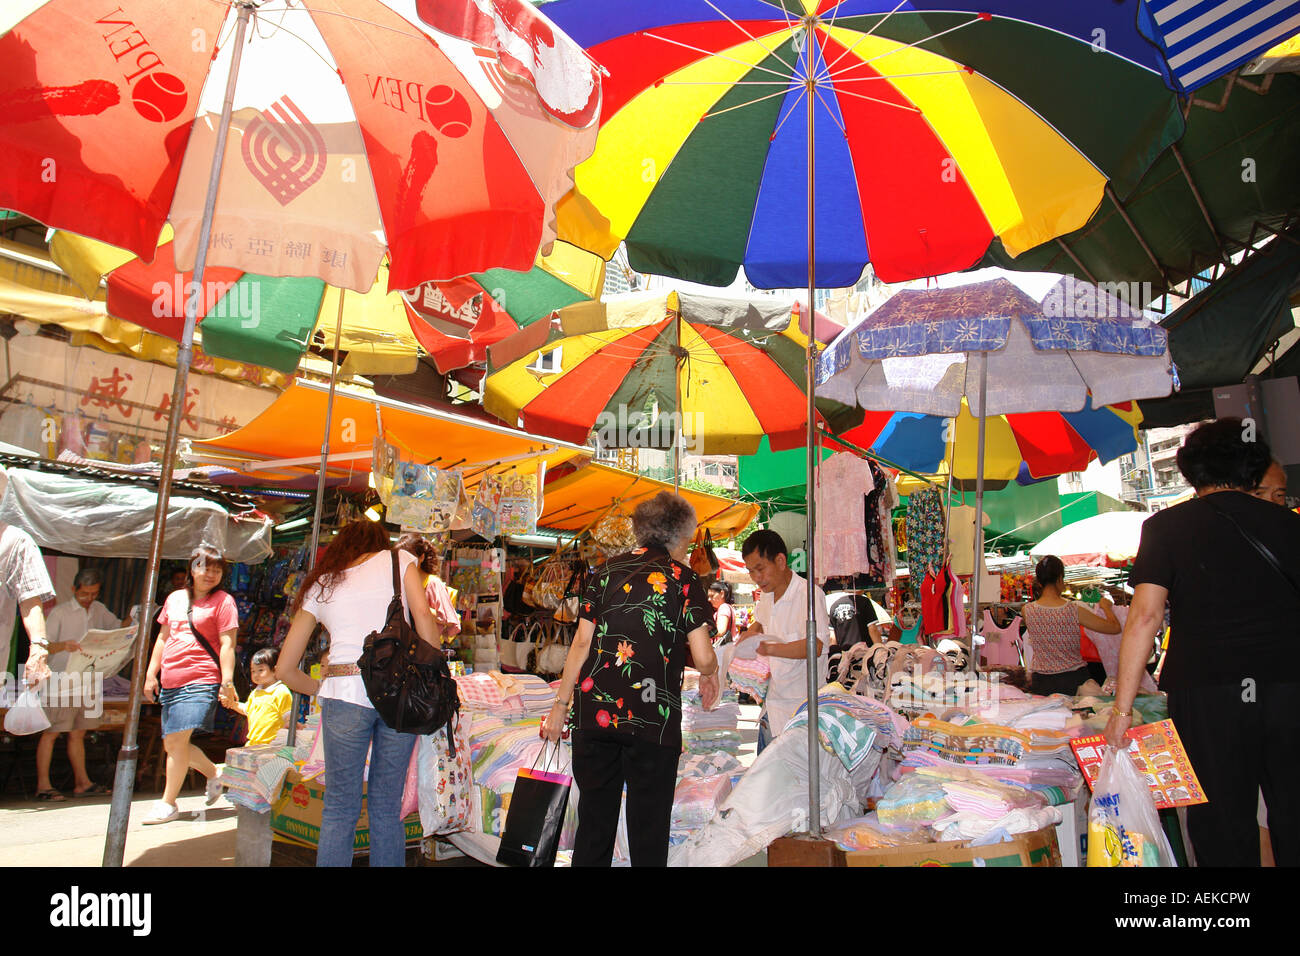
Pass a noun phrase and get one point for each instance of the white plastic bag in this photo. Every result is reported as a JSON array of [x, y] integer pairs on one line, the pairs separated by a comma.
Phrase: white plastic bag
[[1123, 826], [26, 716]]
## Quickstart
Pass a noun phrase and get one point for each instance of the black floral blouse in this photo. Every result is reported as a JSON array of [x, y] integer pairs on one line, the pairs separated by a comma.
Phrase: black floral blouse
[[643, 605]]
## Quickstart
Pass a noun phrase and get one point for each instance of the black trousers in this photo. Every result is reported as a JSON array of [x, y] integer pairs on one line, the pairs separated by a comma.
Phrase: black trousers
[[602, 764], [1066, 682], [1241, 740]]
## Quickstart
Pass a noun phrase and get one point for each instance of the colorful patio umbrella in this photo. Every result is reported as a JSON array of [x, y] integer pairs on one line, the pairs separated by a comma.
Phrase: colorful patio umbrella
[[723, 372], [1045, 444], [456, 321], [439, 139], [939, 126]]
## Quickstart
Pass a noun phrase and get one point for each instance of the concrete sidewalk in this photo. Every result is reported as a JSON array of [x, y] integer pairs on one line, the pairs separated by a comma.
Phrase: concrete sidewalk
[[72, 833]]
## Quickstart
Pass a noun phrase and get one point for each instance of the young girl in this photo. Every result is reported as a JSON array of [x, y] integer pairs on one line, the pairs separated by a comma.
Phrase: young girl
[[269, 703]]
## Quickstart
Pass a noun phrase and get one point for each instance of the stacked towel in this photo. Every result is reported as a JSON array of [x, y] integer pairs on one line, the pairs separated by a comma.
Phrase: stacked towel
[[750, 676], [697, 798]]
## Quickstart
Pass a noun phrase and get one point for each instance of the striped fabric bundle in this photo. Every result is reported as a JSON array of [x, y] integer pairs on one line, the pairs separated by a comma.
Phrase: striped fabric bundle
[[750, 677]]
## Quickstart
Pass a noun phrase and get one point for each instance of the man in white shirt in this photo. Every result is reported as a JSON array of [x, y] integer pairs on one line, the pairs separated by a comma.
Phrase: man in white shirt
[[781, 617], [65, 628]]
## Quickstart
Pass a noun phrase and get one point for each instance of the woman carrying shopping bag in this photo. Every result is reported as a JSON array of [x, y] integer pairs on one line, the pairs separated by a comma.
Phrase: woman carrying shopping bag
[[639, 613]]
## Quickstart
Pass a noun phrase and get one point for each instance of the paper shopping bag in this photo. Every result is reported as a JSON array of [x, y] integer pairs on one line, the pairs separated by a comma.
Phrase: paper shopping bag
[[535, 818]]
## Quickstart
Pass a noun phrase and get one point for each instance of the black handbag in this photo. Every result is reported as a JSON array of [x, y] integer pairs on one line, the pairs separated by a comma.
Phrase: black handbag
[[406, 679]]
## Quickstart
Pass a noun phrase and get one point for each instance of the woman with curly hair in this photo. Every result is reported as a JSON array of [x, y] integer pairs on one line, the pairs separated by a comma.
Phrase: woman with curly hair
[[348, 592], [639, 613], [1228, 565]]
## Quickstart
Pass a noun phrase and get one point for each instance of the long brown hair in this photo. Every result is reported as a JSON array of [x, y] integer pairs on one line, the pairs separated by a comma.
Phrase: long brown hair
[[361, 537]]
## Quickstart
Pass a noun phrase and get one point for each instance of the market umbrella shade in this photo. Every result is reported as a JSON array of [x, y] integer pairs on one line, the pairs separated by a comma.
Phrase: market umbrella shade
[[1043, 444], [940, 127], [723, 372], [265, 320], [1109, 538], [924, 349], [357, 132], [456, 321]]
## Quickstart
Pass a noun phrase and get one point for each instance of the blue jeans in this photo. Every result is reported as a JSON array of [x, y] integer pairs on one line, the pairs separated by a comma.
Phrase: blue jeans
[[350, 731], [764, 733]]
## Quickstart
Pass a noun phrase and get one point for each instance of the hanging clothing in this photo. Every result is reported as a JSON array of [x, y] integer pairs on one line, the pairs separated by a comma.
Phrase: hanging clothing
[[936, 607], [925, 535], [961, 539], [1000, 643], [23, 426], [878, 517], [842, 482]]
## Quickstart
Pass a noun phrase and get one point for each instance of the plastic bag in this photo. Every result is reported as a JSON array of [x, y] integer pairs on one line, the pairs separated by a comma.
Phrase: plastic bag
[[26, 716], [1123, 826]]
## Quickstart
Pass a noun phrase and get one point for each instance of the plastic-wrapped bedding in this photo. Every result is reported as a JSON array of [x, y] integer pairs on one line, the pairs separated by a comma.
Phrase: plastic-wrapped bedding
[[770, 801]]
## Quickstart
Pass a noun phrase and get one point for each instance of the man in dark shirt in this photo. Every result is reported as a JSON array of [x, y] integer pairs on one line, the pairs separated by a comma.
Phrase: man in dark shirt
[[1229, 566]]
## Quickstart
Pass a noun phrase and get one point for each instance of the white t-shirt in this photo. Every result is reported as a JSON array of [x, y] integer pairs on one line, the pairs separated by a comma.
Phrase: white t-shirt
[[357, 605], [784, 621], [70, 622]]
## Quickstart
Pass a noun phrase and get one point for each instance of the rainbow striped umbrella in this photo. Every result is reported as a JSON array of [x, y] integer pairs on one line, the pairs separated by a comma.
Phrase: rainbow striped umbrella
[[637, 368], [939, 129]]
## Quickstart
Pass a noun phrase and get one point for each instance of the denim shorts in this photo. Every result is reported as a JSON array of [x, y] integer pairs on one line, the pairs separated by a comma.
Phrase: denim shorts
[[192, 707]]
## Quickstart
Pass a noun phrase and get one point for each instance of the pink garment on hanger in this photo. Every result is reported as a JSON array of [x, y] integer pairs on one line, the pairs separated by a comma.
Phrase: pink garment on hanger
[[960, 626], [1000, 642], [444, 610], [843, 482]]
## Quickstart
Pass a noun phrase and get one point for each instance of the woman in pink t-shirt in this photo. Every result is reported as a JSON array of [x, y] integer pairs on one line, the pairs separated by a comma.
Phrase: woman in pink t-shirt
[[192, 666]]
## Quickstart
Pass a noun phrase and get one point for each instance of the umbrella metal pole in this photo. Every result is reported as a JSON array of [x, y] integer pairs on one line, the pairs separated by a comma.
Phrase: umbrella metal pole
[[320, 488], [814, 744], [124, 778], [979, 513]]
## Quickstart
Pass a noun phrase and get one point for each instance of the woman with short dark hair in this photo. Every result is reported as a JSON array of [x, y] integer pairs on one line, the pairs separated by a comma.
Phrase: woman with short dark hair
[[639, 613], [1052, 629], [1226, 562]]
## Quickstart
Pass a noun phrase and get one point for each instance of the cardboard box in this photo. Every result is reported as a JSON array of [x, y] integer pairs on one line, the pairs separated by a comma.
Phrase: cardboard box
[[1028, 849], [296, 814]]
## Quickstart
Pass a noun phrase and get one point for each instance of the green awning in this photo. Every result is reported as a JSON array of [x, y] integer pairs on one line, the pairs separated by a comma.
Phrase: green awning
[[1242, 160]]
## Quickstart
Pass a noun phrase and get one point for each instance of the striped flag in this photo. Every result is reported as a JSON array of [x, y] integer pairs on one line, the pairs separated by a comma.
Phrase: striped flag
[[1204, 39]]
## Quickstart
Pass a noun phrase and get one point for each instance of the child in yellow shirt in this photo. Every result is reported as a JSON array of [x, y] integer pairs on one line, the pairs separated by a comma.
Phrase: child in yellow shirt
[[269, 703]]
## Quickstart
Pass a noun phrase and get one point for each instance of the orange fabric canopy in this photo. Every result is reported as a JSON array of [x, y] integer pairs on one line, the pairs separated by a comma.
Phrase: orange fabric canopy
[[290, 432], [575, 500]]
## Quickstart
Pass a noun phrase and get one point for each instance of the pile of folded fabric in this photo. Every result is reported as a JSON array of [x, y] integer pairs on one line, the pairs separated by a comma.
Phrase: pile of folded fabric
[[868, 833], [704, 781], [710, 731], [505, 695], [1057, 783], [253, 776], [750, 676]]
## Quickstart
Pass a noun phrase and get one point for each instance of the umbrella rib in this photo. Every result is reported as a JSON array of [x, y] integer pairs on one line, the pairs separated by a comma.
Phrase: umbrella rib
[[720, 56], [793, 108], [899, 49], [839, 77], [834, 118], [743, 105], [873, 99], [750, 35], [864, 36]]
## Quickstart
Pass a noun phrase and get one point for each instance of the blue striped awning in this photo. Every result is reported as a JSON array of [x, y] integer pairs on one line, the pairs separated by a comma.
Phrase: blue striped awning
[[1204, 39]]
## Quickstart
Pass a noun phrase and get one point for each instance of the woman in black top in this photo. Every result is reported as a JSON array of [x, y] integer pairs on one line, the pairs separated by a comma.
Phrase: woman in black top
[[1227, 563], [639, 612]]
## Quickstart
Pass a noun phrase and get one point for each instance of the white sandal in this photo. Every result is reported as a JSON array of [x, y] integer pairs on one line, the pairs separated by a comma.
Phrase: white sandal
[[161, 812]]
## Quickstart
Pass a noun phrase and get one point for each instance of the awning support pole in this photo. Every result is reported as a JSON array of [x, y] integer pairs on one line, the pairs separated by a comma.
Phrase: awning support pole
[[810, 546]]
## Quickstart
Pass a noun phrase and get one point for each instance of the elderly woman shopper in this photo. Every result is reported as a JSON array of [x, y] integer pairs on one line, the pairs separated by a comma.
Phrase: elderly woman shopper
[[623, 676], [348, 592], [1228, 564]]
